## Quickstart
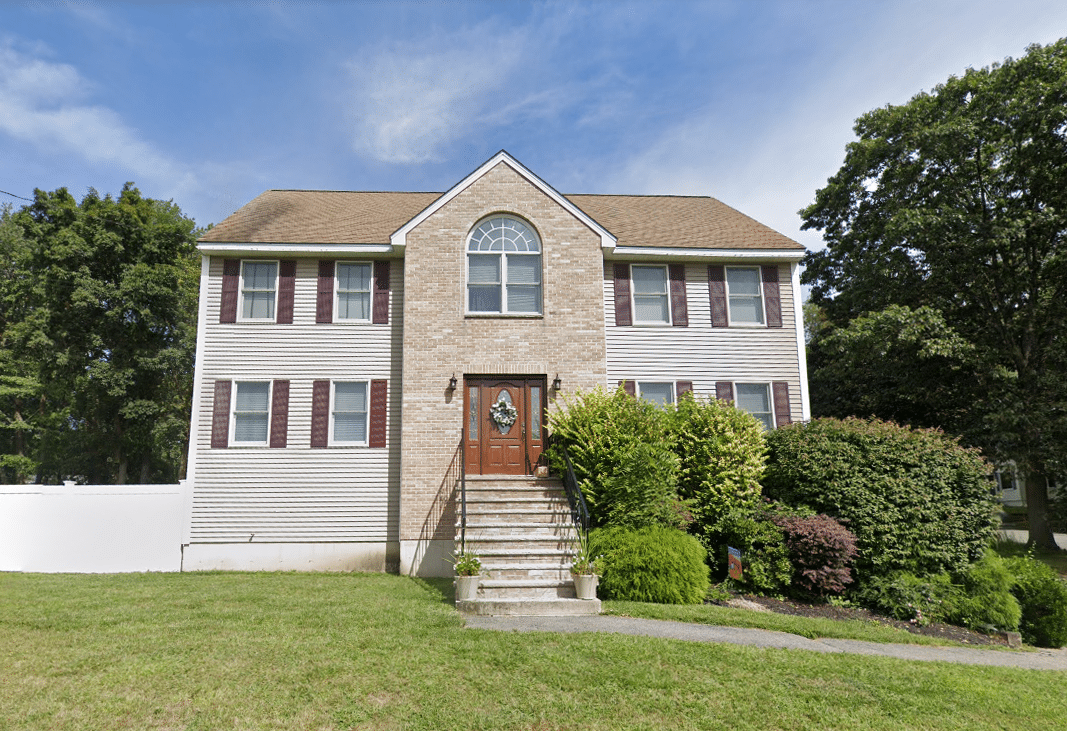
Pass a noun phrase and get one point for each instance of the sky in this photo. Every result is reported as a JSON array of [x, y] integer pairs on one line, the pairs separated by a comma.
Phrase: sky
[[209, 104]]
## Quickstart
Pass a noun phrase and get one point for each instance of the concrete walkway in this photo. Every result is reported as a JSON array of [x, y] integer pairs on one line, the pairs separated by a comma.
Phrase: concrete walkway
[[1022, 536], [1031, 660]]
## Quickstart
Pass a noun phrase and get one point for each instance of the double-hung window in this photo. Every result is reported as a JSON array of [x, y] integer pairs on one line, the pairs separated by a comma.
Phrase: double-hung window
[[503, 268], [744, 295], [349, 412], [259, 289], [755, 398], [251, 412], [353, 291], [651, 295], [658, 393]]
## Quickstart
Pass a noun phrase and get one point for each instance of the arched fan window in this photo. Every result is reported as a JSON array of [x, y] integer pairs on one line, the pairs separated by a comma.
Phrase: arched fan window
[[503, 268]]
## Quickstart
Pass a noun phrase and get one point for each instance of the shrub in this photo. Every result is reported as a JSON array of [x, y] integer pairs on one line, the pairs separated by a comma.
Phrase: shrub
[[1043, 598], [986, 599], [905, 596], [915, 499], [766, 568], [653, 564], [721, 453], [821, 550], [641, 490]]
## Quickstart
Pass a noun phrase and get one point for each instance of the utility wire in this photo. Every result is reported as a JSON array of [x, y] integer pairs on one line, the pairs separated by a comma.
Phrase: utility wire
[[16, 196]]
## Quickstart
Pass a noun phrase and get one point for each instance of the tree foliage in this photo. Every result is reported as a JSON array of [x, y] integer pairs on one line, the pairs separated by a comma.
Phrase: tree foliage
[[955, 201], [99, 329]]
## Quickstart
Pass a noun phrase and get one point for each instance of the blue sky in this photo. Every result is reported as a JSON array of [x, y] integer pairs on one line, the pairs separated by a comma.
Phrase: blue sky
[[209, 104]]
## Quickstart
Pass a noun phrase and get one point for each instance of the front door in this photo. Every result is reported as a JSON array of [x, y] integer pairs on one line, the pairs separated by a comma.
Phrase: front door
[[505, 424]]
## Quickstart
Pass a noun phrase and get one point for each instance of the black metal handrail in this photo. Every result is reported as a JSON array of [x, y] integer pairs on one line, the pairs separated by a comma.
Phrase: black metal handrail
[[579, 510]]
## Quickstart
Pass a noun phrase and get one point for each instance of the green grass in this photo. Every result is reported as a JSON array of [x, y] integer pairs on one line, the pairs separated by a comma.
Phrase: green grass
[[342, 651]]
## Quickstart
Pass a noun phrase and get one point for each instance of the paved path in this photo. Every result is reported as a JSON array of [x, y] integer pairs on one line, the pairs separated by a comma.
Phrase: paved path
[[1036, 660], [1022, 536]]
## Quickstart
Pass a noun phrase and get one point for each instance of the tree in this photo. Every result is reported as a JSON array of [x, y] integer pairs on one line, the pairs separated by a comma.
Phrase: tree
[[956, 201], [101, 313]]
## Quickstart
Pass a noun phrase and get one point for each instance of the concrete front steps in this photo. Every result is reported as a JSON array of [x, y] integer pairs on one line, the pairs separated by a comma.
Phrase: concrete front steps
[[521, 529]]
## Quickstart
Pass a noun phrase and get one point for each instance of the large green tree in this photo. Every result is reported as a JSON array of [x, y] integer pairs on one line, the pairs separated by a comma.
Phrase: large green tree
[[99, 318], [957, 202]]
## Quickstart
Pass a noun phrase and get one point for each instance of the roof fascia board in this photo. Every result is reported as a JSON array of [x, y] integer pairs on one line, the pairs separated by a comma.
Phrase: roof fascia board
[[399, 238], [653, 252], [220, 249]]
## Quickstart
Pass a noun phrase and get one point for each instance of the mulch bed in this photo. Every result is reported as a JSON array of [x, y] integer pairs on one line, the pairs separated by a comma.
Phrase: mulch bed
[[826, 611]]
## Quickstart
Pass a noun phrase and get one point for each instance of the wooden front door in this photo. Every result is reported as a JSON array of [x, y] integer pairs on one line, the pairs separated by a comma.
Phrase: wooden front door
[[505, 424]]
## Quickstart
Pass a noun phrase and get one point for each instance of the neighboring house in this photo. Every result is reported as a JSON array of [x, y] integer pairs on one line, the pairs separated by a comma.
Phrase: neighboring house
[[347, 339]]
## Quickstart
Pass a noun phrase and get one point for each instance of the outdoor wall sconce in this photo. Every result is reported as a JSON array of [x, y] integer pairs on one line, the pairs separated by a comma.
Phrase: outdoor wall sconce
[[557, 384], [452, 383]]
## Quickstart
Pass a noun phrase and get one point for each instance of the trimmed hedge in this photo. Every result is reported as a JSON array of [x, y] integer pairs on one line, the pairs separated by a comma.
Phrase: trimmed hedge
[[653, 564], [916, 500]]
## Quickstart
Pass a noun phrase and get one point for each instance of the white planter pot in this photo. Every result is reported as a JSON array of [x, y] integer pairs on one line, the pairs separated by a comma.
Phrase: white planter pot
[[585, 585], [467, 588]]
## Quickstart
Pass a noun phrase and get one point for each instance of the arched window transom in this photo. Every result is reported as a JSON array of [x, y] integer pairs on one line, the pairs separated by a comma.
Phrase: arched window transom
[[504, 267]]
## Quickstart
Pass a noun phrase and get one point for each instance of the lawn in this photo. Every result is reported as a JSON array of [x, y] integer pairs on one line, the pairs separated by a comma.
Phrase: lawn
[[343, 651]]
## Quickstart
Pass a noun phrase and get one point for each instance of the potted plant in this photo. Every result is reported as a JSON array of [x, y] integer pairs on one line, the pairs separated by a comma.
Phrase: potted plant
[[468, 569], [583, 569]]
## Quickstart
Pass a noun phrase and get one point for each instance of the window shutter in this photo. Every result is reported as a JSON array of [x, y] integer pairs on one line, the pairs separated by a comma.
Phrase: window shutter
[[231, 280], [320, 414], [623, 318], [381, 294], [379, 403], [279, 414], [220, 418], [772, 299], [681, 387], [781, 403], [724, 391], [324, 301], [717, 292], [630, 387], [679, 310], [286, 291]]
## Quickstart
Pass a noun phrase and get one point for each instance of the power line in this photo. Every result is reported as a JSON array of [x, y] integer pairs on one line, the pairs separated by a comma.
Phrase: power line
[[16, 196]]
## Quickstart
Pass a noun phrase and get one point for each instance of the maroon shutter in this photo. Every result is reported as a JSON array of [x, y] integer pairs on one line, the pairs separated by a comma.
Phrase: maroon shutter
[[324, 302], [379, 403], [279, 414], [630, 387], [717, 292], [724, 391], [320, 414], [679, 310], [381, 295], [681, 387], [220, 418], [231, 280], [622, 296], [286, 290], [772, 300], [781, 403]]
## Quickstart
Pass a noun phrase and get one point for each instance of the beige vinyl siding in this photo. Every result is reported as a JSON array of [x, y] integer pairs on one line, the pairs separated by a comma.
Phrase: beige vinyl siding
[[701, 353], [298, 494]]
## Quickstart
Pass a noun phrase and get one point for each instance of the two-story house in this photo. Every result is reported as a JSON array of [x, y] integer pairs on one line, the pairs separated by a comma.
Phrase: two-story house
[[348, 342]]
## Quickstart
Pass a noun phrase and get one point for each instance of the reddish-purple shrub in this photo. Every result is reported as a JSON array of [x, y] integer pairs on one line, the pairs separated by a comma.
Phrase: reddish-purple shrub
[[822, 551]]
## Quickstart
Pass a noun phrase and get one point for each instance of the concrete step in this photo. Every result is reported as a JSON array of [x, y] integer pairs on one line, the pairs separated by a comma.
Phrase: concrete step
[[530, 608], [540, 531], [521, 572], [539, 517], [526, 589]]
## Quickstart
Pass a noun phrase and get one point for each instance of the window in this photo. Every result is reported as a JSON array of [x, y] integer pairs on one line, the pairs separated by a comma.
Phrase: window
[[651, 295], [755, 398], [660, 394], [353, 291], [348, 423], [744, 296], [504, 268], [251, 412], [259, 283]]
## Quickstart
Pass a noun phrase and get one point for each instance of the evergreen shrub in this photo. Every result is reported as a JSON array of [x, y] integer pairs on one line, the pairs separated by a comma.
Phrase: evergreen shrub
[[1043, 598], [915, 499], [905, 596], [651, 564], [986, 599]]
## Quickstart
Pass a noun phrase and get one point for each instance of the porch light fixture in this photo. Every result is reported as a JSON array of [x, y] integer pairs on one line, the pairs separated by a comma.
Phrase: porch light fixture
[[557, 384], [452, 383]]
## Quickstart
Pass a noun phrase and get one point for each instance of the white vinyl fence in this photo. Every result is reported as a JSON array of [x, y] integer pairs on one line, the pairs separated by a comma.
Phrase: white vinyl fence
[[91, 528]]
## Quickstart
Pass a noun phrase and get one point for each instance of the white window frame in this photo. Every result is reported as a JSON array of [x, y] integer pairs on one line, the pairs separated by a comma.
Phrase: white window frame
[[233, 413], [333, 442], [241, 291], [503, 282], [770, 401], [673, 394], [759, 297], [337, 294], [666, 295]]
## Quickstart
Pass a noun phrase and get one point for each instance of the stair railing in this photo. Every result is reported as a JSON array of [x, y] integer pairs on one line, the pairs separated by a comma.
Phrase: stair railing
[[579, 510], [457, 476]]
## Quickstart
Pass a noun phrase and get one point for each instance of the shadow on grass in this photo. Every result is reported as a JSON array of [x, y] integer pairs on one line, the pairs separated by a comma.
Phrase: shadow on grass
[[441, 589]]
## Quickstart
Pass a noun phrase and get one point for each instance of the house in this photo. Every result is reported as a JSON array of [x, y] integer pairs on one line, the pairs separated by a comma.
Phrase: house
[[355, 347]]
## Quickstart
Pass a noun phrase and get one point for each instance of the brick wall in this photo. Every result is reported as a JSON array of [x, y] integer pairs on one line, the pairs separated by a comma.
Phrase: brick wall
[[440, 340]]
